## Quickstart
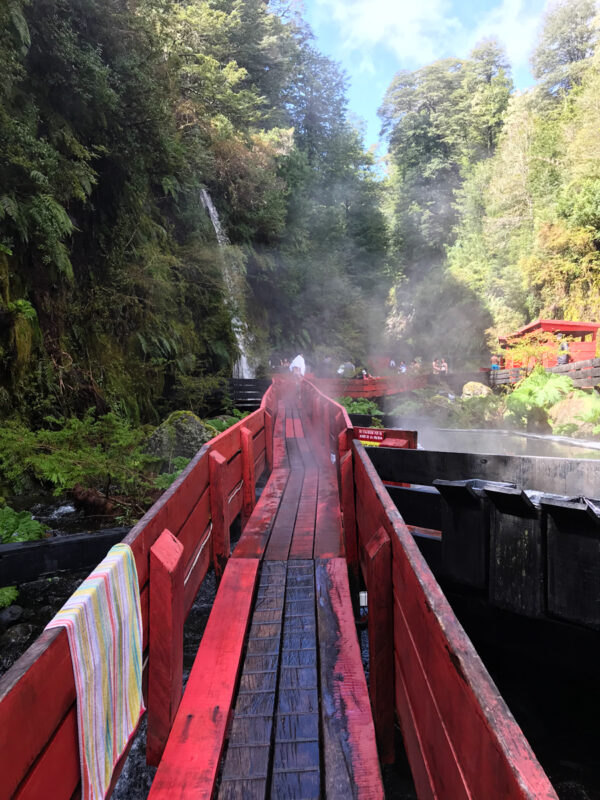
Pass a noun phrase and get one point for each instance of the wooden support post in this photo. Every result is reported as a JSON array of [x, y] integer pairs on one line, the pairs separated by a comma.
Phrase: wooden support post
[[219, 510], [315, 412], [165, 663], [326, 425], [248, 474], [269, 439], [349, 514], [381, 640]]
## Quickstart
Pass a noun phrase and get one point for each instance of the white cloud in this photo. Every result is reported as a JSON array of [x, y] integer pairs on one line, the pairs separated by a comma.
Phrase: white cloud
[[422, 31]]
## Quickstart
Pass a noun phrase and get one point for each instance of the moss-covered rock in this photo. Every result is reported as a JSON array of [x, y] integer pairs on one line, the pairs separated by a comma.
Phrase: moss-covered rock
[[181, 434], [475, 389]]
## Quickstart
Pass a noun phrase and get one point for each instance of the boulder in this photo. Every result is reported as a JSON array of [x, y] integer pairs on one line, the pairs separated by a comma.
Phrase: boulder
[[569, 412], [10, 616], [182, 434], [475, 389]]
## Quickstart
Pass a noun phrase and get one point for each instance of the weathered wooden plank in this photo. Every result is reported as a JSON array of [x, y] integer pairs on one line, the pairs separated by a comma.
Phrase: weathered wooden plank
[[573, 555], [304, 527], [165, 665], [349, 511], [475, 728], [350, 751], [57, 767], [419, 505], [329, 540], [296, 740], [381, 640], [248, 751], [281, 533], [517, 562], [29, 713], [191, 758], [256, 534], [560, 475]]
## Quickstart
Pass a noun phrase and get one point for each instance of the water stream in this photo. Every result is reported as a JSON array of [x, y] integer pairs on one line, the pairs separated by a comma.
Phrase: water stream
[[242, 368]]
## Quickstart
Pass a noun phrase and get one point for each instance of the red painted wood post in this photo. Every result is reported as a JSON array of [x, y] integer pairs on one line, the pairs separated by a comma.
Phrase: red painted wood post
[[219, 511], [349, 512], [165, 662], [315, 412], [378, 565], [248, 474], [326, 425], [269, 439]]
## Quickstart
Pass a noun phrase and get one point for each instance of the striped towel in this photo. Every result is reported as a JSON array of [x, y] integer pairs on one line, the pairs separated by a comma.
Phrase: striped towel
[[104, 625]]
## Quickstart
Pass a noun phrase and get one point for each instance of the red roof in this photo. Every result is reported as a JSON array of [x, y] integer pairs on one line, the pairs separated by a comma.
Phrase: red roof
[[553, 326]]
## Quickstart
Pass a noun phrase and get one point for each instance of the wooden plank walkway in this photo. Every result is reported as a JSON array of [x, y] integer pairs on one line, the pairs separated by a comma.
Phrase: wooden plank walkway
[[300, 724]]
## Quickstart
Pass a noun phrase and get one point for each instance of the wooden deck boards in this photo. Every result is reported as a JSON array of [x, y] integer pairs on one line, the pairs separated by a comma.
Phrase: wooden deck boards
[[301, 719]]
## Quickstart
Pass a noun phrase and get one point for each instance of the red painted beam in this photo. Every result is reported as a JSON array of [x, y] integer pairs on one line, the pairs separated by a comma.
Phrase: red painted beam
[[191, 759], [350, 757], [165, 665], [381, 640], [219, 507]]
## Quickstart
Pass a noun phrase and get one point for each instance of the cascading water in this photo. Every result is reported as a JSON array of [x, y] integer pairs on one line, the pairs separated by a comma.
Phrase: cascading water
[[242, 368]]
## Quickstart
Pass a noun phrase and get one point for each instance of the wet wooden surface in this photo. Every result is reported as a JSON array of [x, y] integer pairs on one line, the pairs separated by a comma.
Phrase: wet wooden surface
[[300, 724]]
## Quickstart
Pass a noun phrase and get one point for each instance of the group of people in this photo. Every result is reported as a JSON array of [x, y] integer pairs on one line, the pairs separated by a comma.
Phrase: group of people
[[348, 370], [439, 366]]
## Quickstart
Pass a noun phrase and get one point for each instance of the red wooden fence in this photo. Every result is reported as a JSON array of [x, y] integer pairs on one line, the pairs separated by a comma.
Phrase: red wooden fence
[[370, 388], [38, 726], [460, 737]]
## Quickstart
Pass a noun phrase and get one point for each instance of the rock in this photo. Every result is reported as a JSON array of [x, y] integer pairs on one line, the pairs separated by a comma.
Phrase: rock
[[9, 616], [181, 434], [475, 389], [90, 501], [537, 421], [16, 635], [569, 412]]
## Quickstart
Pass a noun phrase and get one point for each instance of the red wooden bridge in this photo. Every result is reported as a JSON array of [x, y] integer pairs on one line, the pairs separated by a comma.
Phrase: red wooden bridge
[[277, 702]]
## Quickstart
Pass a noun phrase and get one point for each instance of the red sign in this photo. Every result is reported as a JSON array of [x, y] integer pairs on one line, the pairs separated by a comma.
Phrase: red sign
[[369, 434]]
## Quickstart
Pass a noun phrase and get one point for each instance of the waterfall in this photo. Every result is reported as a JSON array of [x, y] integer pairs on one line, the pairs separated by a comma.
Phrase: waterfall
[[241, 368], [208, 204]]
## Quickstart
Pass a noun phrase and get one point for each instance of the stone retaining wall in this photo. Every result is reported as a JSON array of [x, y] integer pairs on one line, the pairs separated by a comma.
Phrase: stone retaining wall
[[585, 374]]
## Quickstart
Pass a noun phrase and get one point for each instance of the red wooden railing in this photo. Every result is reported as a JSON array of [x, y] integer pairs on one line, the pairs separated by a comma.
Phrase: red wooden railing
[[38, 726], [370, 387], [460, 737]]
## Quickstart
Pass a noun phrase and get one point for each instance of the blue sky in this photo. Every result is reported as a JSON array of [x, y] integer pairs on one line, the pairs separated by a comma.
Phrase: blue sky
[[373, 39]]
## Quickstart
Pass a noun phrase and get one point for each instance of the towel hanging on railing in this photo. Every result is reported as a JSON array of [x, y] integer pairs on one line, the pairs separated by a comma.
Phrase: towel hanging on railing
[[104, 627]]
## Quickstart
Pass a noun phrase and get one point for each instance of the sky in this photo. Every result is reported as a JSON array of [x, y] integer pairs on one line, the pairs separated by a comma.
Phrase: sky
[[373, 39]]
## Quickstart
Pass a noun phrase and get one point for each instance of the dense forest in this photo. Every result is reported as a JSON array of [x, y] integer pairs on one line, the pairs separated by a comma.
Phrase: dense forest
[[494, 194], [115, 117], [119, 118]]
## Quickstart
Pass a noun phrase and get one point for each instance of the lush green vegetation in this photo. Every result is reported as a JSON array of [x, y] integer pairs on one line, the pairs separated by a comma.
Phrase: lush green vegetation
[[19, 526], [104, 453], [494, 194], [117, 303], [16, 526], [360, 406], [114, 115]]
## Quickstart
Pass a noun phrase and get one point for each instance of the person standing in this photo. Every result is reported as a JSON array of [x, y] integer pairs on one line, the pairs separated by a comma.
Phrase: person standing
[[298, 365]]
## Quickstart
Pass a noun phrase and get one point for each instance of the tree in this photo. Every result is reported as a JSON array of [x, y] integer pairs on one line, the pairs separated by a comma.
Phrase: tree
[[567, 40]]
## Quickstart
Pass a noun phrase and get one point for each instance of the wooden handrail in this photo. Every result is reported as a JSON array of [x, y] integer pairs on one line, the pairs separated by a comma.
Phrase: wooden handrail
[[38, 731], [448, 706]]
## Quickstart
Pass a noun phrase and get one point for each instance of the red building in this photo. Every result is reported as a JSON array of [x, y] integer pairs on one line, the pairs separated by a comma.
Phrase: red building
[[581, 338]]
